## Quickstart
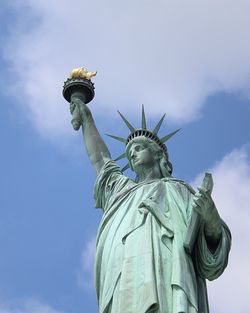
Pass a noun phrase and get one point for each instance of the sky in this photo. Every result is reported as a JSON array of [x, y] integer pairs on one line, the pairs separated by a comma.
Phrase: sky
[[188, 59]]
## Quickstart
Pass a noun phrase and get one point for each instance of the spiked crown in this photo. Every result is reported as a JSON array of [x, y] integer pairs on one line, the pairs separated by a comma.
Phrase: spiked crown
[[143, 132]]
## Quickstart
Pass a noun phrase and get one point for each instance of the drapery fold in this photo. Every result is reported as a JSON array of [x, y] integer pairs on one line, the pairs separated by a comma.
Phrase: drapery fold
[[141, 264]]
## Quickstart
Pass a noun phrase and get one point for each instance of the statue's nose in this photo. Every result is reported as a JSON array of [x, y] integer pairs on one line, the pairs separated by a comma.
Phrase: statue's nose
[[133, 154]]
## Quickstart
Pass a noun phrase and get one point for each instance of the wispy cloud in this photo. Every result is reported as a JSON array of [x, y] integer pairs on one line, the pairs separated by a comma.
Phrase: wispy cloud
[[231, 175], [85, 274], [28, 305], [168, 55]]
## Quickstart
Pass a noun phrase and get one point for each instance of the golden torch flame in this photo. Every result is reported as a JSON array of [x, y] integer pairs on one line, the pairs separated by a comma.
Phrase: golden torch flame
[[82, 72]]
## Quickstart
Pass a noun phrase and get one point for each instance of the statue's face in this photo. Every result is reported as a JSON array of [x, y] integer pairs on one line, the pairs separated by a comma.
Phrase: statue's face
[[141, 156]]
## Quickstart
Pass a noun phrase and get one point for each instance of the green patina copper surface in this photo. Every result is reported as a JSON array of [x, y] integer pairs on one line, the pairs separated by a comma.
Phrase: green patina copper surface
[[146, 258]]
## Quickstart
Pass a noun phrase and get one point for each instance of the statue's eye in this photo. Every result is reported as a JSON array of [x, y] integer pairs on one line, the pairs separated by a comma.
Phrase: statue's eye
[[138, 148]]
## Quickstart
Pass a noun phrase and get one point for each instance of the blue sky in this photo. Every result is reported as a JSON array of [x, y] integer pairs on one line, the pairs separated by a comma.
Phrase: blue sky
[[190, 60]]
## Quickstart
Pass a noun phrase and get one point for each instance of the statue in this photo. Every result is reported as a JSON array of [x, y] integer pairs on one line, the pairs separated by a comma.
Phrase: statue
[[158, 240]]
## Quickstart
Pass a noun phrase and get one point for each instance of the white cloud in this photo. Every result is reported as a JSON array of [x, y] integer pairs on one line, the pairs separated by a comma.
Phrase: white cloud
[[169, 55], [231, 175], [28, 305], [85, 275]]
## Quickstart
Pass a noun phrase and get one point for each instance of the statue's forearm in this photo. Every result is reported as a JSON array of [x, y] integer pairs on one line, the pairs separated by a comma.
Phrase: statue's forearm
[[213, 233], [96, 148], [204, 205]]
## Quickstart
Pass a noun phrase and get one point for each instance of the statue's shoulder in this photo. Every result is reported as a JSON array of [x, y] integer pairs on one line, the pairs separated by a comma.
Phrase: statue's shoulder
[[112, 173], [176, 181]]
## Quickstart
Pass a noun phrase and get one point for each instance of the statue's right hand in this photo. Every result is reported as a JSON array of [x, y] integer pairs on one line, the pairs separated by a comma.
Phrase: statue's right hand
[[76, 102], [83, 110], [72, 107], [76, 116]]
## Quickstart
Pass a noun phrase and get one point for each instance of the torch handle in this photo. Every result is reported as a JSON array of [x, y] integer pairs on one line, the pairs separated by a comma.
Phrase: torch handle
[[76, 119], [78, 88], [76, 116]]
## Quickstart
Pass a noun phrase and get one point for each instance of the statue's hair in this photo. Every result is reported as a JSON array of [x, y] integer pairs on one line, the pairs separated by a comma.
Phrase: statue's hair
[[165, 165]]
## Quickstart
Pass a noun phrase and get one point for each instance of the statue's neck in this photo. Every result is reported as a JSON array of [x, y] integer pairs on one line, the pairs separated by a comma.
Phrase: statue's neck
[[149, 174]]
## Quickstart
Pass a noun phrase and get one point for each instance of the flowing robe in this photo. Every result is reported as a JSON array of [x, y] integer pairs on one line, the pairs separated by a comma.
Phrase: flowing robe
[[141, 265]]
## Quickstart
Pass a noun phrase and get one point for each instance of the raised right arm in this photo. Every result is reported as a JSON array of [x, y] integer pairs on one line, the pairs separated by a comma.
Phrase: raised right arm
[[97, 150]]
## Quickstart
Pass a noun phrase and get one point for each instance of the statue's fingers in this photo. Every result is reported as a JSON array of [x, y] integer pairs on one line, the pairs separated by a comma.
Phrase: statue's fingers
[[200, 206], [72, 107], [206, 194], [199, 199], [197, 208], [76, 115], [199, 202], [195, 203], [202, 191], [76, 124]]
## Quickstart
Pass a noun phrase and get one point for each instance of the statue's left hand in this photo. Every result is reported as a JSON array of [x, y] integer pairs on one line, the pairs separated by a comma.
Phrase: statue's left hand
[[204, 205]]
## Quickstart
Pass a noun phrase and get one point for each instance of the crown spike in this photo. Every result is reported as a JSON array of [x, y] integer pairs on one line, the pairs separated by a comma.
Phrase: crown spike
[[158, 126], [118, 138], [167, 137], [122, 156], [125, 167], [131, 128], [143, 118]]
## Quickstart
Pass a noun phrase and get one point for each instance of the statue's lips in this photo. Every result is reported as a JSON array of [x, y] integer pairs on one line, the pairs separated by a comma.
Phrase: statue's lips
[[135, 160]]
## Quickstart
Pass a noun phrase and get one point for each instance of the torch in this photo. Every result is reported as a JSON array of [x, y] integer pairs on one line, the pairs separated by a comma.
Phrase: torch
[[79, 85]]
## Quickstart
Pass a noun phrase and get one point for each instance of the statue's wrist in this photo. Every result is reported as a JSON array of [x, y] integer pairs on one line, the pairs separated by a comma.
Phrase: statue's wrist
[[213, 237], [86, 119], [213, 229], [83, 111]]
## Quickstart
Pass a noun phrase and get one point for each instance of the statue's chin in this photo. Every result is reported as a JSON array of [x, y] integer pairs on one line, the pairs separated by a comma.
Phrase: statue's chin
[[137, 167]]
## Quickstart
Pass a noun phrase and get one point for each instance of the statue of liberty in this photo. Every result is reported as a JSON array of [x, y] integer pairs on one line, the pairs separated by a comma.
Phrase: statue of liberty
[[143, 263]]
